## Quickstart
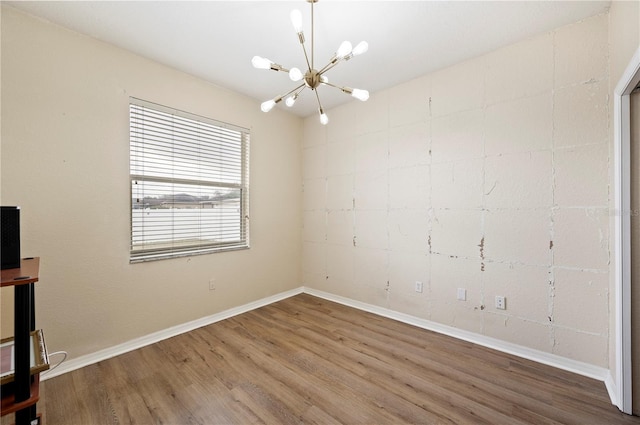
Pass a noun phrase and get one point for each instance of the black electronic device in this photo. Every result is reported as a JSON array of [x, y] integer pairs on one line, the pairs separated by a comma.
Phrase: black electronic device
[[10, 236]]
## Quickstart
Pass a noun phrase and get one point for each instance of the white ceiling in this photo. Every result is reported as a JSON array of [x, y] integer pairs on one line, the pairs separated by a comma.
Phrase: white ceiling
[[215, 40]]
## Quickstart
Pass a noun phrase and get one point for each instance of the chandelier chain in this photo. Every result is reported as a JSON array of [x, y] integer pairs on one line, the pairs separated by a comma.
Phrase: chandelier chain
[[312, 35]]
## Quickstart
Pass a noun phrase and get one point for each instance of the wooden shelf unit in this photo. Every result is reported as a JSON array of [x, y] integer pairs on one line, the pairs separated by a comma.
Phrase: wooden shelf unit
[[39, 357], [9, 404], [26, 390]]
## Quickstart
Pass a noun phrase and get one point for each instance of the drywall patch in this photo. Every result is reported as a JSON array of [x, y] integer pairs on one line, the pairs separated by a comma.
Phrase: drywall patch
[[481, 245], [492, 187]]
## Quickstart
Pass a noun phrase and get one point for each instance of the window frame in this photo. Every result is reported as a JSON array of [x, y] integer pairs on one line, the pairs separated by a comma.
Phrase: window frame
[[182, 249]]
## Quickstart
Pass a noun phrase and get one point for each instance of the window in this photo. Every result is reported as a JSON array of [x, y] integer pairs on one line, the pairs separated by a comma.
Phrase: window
[[189, 183]]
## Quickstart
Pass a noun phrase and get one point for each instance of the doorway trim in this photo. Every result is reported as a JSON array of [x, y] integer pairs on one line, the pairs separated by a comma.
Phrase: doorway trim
[[622, 181]]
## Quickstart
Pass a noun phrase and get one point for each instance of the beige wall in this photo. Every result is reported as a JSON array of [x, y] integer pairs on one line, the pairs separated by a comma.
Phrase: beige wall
[[65, 162], [491, 175], [624, 35]]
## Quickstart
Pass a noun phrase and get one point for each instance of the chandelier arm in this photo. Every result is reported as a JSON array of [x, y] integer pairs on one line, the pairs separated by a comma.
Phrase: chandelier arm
[[332, 64], [326, 83], [304, 49], [280, 68], [280, 97], [289, 92], [346, 90], [359, 94], [323, 117], [318, 98]]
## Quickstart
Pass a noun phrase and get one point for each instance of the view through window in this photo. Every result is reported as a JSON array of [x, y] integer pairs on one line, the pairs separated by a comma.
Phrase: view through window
[[189, 183]]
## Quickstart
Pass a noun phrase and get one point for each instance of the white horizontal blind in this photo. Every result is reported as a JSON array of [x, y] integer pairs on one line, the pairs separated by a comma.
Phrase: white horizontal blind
[[189, 183]]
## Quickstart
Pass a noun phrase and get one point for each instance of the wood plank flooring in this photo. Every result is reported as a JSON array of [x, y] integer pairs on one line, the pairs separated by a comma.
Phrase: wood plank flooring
[[307, 360]]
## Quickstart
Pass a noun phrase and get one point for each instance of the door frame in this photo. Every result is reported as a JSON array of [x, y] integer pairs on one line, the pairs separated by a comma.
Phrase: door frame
[[622, 181]]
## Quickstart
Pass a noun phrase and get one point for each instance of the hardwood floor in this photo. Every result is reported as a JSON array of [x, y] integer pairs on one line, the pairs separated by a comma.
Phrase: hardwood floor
[[307, 360]]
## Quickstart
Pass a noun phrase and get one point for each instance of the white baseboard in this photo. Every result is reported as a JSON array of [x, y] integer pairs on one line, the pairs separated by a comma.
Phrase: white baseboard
[[143, 341], [612, 389], [559, 362], [563, 363]]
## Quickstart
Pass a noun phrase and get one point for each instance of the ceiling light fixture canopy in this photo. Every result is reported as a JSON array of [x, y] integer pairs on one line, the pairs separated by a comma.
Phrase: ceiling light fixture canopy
[[312, 78]]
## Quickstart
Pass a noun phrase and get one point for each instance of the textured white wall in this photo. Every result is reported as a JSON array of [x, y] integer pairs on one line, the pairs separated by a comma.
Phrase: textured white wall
[[65, 161], [491, 175]]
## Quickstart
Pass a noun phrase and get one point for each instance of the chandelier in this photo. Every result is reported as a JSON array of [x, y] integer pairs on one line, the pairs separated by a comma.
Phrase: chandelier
[[313, 78]]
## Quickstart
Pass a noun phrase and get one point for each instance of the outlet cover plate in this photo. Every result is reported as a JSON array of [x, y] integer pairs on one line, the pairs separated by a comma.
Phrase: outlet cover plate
[[462, 294]]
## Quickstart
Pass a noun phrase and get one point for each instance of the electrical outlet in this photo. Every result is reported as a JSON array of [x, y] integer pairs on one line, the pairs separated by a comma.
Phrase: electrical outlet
[[462, 294], [501, 302], [418, 286], [212, 284]]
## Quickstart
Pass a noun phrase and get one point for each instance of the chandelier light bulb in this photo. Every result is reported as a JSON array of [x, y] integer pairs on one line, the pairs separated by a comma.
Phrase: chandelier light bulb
[[324, 79], [261, 63], [359, 94], [268, 105], [291, 100], [296, 20], [324, 119], [343, 50], [295, 74], [361, 48]]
